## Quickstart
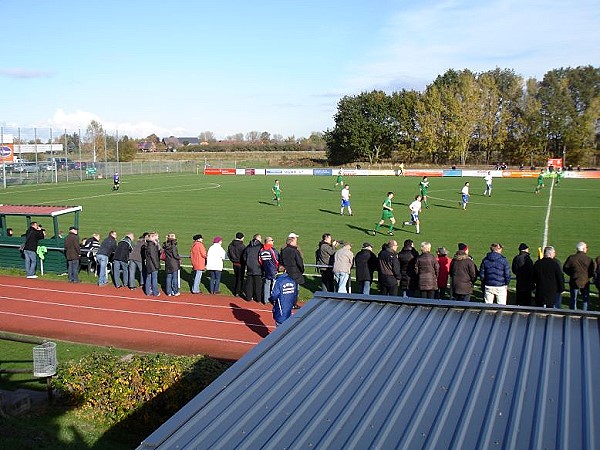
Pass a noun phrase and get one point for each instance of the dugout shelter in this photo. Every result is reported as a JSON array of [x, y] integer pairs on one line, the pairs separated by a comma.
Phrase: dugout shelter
[[52, 218]]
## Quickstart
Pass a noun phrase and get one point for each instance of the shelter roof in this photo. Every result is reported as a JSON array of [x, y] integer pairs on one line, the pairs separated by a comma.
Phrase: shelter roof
[[352, 371], [37, 210]]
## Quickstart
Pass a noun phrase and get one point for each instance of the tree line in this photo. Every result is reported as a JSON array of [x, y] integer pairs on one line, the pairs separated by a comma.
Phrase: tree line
[[474, 118]]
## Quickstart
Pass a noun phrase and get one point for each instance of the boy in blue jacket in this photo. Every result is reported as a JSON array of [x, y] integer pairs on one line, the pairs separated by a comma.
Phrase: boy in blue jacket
[[283, 296]]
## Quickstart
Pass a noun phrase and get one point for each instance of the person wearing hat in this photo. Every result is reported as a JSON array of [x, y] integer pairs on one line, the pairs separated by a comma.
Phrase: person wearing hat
[[234, 253], [268, 259], [253, 287], [442, 279], [366, 264], [522, 267], [291, 258], [198, 257], [72, 253], [407, 256], [463, 274], [214, 263]]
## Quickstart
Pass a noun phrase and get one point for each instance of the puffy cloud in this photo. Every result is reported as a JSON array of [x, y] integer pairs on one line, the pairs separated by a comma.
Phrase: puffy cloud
[[79, 120]]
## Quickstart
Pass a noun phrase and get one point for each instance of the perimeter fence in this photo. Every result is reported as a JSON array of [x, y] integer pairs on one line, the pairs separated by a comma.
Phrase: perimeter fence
[[46, 155], [48, 172]]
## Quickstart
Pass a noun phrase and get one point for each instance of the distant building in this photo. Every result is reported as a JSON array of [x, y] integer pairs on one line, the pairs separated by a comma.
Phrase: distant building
[[146, 146], [175, 143]]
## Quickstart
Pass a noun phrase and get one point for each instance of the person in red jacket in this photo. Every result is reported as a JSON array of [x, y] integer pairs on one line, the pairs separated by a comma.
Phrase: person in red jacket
[[198, 257], [442, 281]]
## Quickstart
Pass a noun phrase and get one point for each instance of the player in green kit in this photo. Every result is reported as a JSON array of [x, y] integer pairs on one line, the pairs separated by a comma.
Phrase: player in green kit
[[540, 182], [276, 189], [424, 188], [339, 181], [387, 213], [559, 176]]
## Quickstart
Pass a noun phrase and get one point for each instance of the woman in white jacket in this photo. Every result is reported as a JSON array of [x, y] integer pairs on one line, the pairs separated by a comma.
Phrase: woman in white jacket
[[214, 263]]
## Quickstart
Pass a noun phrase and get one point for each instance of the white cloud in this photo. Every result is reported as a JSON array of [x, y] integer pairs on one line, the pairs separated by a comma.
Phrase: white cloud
[[428, 38], [79, 120]]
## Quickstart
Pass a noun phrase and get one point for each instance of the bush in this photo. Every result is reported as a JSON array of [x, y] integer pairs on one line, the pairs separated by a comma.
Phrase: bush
[[141, 389]]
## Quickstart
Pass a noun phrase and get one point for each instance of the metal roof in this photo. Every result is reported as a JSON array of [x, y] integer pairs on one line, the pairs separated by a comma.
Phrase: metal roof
[[358, 372], [37, 210]]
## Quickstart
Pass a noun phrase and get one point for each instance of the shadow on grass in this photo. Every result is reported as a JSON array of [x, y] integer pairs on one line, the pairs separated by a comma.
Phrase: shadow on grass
[[328, 211], [267, 203]]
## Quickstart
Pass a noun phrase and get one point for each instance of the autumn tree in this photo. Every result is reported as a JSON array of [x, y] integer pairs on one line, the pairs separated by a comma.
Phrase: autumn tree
[[365, 129]]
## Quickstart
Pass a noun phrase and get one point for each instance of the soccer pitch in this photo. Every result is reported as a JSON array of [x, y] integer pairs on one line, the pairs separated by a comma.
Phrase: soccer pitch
[[186, 204]]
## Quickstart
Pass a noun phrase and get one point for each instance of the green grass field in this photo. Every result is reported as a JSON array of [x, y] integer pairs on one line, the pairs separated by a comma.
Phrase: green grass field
[[187, 204]]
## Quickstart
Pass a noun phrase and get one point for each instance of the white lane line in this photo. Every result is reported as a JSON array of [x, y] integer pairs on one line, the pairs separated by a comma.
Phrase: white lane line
[[117, 327], [135, 299], [547, 220], [125, 311]]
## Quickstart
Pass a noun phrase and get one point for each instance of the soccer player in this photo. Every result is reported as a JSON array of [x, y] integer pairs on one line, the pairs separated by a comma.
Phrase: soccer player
[[400, 171], [424, 187], [387, 213], [464, 193], [415, 209], [346, 200], [339, 180], [559, 176], [116, 181], [540, 182], [488, 184], [276, 190]]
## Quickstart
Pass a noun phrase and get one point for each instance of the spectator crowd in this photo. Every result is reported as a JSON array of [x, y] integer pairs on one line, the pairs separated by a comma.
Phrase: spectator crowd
[[265, 274]]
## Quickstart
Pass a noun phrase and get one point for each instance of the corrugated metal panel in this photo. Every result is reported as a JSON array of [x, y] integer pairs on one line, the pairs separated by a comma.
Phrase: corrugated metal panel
[[387, 373]]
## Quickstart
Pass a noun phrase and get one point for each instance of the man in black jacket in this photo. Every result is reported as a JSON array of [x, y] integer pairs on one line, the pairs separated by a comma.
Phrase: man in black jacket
[[389, 269], [253, 288], [34, 234], [234, 253], [291, 258], [549, 280], [324, 257], [522, 267], [408, 278], [366, 264], [121, 260], [104, 255]]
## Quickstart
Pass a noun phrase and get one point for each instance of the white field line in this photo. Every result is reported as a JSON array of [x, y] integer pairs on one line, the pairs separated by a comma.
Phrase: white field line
[[547, 220]]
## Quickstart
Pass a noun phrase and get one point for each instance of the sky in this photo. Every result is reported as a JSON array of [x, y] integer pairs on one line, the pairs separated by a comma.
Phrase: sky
[[184, 67]]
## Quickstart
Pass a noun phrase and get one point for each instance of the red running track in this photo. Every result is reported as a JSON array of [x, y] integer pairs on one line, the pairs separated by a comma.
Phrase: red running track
[[215, 325]]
